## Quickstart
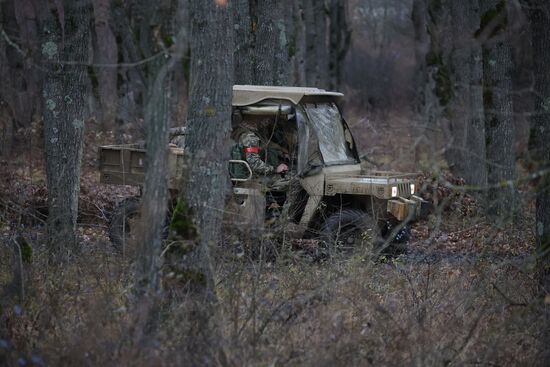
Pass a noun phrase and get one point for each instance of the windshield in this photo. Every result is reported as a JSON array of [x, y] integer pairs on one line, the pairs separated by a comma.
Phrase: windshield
[[335, 143]]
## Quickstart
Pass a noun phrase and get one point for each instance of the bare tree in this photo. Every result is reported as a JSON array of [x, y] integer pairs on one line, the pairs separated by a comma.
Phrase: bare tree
[[298, 42], [466, 154], [339, 41], [106, 51], [271, 61], [316, 54], [497, 100], [207, 146], [21, 79], [244, 41], [419, 17], [157, 118], [302, 44], [538, 14], [430, 19], [65, 45], [261, 42]]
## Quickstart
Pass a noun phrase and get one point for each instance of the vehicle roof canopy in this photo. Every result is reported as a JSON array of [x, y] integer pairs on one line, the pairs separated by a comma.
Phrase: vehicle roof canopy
[[245, 95]]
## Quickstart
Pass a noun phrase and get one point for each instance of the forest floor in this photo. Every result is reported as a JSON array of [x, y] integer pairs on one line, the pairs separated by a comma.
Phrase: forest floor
[[465, 293]]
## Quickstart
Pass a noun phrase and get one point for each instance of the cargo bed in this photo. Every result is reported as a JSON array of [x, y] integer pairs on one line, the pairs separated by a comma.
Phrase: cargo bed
[[126, 165]]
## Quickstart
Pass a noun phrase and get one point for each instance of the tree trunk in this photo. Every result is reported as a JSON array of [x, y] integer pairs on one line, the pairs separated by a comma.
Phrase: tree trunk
[[419, 15], [66, 36], [244, 41], [497, 100], [299, 44], [431, 20], [157, 118], [316, 58], [132, 79], [19, 89], [28, 84], [538, 13], [261, 42], [107, 54], [271, 61], [6, 129], [208, 126], [339, 38], [466, 154], [423, 103]]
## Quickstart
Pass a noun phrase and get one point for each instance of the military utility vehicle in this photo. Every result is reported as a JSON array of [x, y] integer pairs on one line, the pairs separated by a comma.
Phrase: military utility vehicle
[[328, 194]]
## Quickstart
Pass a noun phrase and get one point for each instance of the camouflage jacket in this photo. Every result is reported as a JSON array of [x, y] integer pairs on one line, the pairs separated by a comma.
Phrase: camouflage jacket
[[250, 142]]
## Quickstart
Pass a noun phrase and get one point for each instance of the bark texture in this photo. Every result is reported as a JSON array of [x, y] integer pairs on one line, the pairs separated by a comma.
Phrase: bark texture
[[303, 42], [497, 100], [431, 19], [66, 36], [20, 87], [298, 42], [244, 42], [106, 56], [419, 15], [466, 154], [157, 118], [425, 103], [271, 61], [339, 41], [207, 146], [538, 13], [261, 42], [316, 54]]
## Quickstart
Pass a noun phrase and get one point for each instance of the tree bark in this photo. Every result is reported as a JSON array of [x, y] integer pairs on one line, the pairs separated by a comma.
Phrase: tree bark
[[316, 57], [209, 126], [339, 42], [466, 154], [29, 80], [497, 100], [20, 87], [66, 37], [299, 44], [157, 118], [244, 41], [271, 60], [419, 16], [107, 54], [538, 13], [431, 20], [261, 42], [132, 79]]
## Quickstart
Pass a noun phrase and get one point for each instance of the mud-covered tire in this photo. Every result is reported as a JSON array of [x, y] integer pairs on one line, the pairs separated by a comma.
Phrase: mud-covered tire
[[120, 223], [348, 230]]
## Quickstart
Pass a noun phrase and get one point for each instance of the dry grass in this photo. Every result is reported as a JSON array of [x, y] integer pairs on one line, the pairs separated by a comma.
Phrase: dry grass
[[411, 310], [466, 294]]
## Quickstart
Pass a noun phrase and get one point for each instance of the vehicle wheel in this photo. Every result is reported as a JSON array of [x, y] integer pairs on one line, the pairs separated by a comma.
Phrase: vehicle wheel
[[401, 237], [349, 230], [122, 223]]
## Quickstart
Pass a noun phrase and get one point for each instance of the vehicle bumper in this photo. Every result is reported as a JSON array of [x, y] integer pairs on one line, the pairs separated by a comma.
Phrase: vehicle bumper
[[410, 209]]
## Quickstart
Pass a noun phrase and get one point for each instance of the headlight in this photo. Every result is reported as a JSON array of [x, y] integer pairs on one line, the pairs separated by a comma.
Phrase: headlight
[[412, 189], [394, 191]]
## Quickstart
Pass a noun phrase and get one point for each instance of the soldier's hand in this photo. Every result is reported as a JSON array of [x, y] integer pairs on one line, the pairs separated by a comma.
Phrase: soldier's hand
[[281, 168]]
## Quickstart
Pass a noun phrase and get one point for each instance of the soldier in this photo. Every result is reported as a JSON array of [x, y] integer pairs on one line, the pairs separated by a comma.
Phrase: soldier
[[255, 145], [252, 137], [250, 143]]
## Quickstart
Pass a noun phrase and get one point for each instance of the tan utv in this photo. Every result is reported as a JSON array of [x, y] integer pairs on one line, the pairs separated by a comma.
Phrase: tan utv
[[328, 195]]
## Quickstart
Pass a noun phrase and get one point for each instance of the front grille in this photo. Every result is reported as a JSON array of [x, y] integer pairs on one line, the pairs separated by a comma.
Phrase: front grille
[[403, 189]]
